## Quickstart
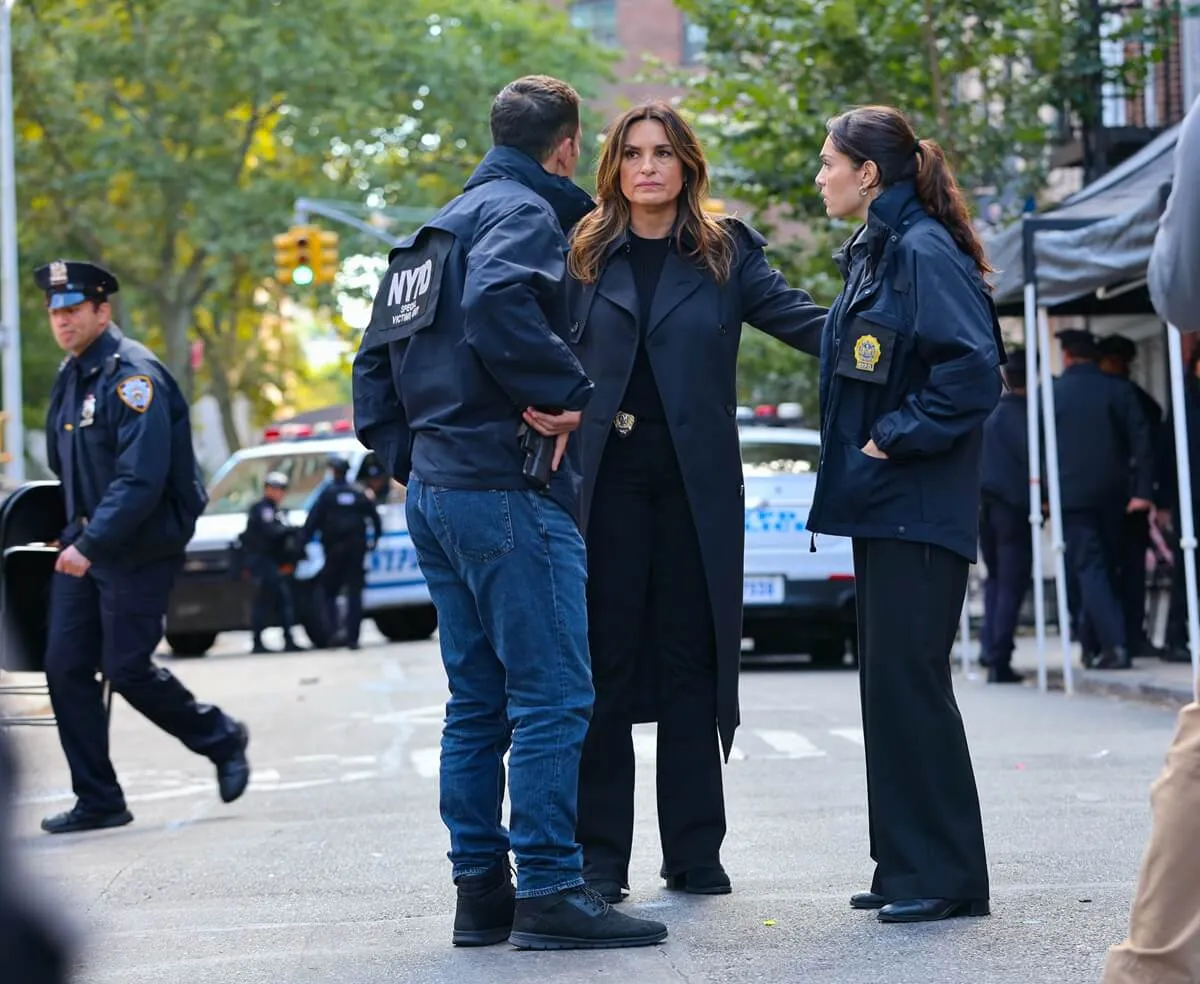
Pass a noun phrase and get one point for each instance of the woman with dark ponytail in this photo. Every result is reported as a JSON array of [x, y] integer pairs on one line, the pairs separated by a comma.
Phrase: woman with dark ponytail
[[909, 372]]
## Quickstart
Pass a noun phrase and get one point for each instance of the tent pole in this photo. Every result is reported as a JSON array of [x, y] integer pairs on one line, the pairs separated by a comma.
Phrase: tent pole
[[1056, 524], [1187, 524], [1032, 387]]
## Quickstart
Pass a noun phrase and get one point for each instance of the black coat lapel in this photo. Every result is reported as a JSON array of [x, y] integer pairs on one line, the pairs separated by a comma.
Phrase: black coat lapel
[[680, 279], [617, 286]]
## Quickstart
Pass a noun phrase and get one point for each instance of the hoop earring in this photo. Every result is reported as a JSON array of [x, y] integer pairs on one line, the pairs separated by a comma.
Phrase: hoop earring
[[863, 192]]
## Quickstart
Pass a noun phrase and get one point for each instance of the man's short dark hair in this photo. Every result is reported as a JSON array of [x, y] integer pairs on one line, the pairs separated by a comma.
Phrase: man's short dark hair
[[534, 115]]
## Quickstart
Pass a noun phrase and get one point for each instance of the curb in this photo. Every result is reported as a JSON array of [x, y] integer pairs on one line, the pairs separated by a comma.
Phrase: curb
[[1123, 685]]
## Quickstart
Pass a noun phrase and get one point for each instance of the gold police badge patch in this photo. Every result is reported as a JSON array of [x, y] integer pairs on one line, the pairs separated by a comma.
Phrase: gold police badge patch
[[136, 392], [867, 352]]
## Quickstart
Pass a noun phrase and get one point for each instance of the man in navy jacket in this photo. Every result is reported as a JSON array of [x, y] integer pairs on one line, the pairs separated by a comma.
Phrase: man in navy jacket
[[466, 336]]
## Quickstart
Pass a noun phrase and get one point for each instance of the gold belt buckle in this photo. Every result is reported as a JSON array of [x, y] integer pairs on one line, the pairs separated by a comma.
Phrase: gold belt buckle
[[624, 423]]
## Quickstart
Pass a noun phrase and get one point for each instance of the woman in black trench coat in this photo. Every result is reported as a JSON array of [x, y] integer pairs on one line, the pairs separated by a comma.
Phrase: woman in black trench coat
[[659, 297], [909, 374]]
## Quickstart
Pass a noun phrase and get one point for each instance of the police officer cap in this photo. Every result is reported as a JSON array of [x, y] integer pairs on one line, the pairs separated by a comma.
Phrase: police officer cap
[[276, 480], [1079, 343], [71, 282], [1119, 347], [338, 464], [372, 469]]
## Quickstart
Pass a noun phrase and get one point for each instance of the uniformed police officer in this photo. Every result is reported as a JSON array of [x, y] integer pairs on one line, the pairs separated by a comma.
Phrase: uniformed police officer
[[1117, 354], [1004, 532], [271, 546], [340, 517], [1104, 452], [120, 441]]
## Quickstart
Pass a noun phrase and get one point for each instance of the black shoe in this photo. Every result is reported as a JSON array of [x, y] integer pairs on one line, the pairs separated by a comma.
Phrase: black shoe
[[1004, 674], [708, 880], [1147, 650], [77, 819], [930, 910], [290, 646], [233, 774], [579, 919], [610, 889], [259, 648], [1116, 658], [484, 914], [867, 900], [1088, 658], [1176, 654]]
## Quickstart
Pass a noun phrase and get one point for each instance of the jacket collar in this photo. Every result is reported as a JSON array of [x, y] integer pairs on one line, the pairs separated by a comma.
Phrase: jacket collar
[[105, 345], [891, 214], [569, 202]]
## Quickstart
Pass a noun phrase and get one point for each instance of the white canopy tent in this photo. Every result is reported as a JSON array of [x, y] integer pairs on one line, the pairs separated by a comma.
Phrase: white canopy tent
[[1073, 257]]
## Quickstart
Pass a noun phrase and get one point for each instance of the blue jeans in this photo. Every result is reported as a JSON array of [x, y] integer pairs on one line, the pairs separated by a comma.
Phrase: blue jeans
[[507, 573]]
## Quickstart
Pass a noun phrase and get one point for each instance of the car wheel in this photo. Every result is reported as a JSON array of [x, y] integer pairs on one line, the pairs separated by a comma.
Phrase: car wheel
[[407, 624], [191, 645]]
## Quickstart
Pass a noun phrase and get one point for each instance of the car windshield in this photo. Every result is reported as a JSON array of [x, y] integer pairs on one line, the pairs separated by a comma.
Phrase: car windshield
[[780, 458], [239, 485]]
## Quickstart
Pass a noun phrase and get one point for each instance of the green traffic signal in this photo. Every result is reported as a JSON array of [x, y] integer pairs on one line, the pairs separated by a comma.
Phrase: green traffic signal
[[302, 276]]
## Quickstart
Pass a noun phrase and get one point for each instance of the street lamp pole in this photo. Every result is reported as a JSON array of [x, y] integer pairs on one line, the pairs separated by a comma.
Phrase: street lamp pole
[[10, 308]]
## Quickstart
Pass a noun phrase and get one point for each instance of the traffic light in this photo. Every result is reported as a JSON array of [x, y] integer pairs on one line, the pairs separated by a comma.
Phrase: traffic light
[[326, 266], [305, 240], [295, 255], [285, 257]]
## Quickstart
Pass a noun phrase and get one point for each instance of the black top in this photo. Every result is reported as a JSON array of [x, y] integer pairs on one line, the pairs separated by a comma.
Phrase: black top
[[646, 258]]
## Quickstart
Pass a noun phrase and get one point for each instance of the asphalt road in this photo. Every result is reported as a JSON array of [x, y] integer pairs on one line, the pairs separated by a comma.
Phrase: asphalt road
[[332, 867]]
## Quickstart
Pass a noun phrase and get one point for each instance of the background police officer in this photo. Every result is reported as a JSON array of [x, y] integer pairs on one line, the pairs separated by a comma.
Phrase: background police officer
[[270, 543], [340, 517], [1117, 354], [120, 441], [1104, 452], [1004, 532]]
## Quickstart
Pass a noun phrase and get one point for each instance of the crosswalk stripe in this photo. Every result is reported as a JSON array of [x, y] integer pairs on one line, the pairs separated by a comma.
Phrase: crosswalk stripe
[[854, 735], [791, 744], [427, 762]]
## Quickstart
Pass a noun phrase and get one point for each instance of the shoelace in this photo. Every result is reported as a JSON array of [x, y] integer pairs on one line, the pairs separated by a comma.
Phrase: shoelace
[[593, 896]]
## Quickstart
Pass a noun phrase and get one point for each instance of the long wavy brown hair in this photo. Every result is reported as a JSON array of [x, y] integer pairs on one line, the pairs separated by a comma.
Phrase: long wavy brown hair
[[697, 234]]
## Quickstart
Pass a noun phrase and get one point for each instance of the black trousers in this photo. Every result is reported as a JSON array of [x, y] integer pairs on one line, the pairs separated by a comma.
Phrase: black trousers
[[344, 571], [1093, 541], [1135, 541], [653, 649], [1007, 548], [112, 621], [923, 806], [273, 590]]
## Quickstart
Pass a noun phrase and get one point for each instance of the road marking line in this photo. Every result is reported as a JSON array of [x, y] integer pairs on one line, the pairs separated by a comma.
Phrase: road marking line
[[258, 776], [315, 758], [358, 759], [427, 762], [791, 744], [852, 735]]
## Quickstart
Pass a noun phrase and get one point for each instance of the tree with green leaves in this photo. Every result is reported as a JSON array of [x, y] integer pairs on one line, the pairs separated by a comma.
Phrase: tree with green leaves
[[975, 75], [169, 139]]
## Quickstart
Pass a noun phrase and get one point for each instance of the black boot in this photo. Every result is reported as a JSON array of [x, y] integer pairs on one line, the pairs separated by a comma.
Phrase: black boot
[[1116, 658], [233, 773], [79, 818], [579, 919], [1004, 674], [259, 646], [484, 913]]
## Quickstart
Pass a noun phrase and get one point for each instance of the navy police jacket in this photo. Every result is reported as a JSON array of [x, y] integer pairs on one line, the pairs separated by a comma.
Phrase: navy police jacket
[[119, 439], [1105, 443], [468, 329], [1006, 452], [911, 362]]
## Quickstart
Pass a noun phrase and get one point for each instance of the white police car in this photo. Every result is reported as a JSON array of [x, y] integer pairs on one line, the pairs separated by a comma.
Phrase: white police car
[[212, 594], [795, 600]]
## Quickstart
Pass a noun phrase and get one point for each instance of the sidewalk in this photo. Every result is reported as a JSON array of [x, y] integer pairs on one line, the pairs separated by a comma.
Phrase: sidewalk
[[1148, 680]]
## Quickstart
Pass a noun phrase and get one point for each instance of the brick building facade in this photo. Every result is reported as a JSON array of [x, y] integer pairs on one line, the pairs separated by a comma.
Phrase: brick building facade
[[639, 28]]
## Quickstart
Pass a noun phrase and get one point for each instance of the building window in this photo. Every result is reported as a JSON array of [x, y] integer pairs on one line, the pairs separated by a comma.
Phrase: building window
[[695, 41], [598, 18]]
